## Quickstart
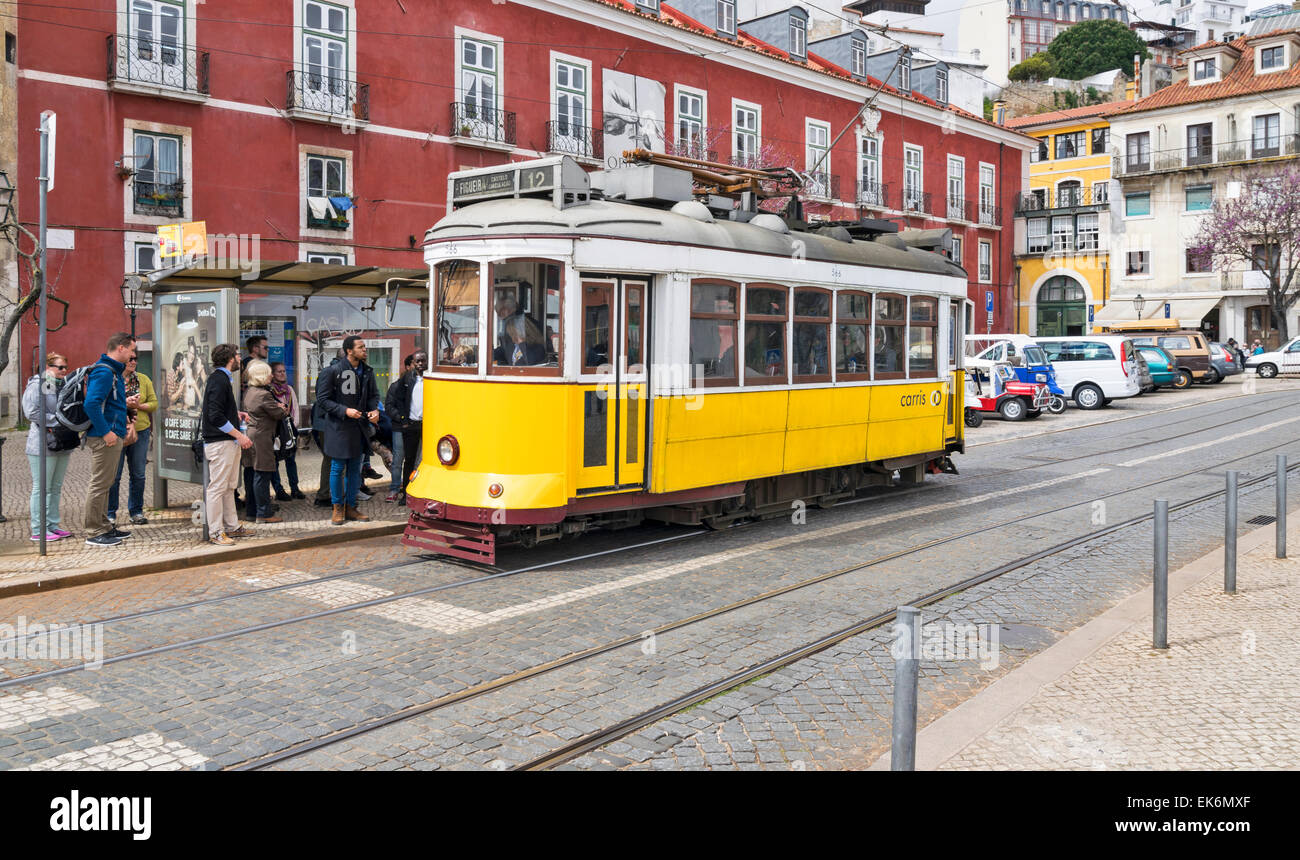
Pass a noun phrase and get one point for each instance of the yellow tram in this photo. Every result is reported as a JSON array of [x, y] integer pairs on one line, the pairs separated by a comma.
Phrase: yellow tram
[[608, 349]]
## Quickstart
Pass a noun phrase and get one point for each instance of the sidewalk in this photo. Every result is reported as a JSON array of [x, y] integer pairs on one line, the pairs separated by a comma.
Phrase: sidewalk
[[1224, 696], [171, 539]]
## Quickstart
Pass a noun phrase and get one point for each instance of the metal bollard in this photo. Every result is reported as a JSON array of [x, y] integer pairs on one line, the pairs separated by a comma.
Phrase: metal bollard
[[1230, 536], [1281, 505], [907, 654], [1160, 590], [3, 518]]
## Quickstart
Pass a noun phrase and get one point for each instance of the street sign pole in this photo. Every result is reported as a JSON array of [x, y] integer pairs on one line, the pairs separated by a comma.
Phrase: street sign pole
[[46, 180]]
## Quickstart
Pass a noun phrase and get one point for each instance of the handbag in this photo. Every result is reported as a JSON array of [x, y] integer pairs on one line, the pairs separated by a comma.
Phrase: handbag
[[59, 439], [286, 439]]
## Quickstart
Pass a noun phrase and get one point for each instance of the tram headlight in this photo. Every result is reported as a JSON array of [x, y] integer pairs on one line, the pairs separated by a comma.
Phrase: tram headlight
[[448, 450]]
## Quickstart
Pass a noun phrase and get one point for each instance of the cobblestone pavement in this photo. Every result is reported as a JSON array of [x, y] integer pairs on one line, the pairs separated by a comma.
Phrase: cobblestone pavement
[[169, 531], [1221, 697], [251, 694]]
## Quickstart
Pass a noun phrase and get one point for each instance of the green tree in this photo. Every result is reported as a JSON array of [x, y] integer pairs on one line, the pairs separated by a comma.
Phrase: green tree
[[1095, 46], [1039, 67]]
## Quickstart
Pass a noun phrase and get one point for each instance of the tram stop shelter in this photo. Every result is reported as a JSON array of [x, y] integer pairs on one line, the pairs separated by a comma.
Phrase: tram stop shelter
[[304, 309]]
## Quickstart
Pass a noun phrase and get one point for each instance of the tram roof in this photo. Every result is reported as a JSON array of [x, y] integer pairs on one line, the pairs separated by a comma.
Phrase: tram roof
[[617, 220]]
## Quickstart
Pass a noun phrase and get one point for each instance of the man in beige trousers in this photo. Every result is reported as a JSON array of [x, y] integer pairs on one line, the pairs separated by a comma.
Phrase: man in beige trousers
[[222, 440]]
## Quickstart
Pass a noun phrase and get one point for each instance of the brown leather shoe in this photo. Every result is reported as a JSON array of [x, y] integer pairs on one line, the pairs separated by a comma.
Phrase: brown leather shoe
[[337, 519], [270, 519], [242, 531], [354, 514]]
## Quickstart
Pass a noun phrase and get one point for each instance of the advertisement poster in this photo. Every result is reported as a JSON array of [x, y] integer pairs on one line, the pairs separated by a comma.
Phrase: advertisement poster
[[634, 113], [187, 327]]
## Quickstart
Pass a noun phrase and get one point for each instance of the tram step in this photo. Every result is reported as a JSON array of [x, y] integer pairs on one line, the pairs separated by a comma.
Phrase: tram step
[[475, 543]]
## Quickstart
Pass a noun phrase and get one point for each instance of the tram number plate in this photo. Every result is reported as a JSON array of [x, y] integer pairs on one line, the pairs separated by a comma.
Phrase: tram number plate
[[491, 183]]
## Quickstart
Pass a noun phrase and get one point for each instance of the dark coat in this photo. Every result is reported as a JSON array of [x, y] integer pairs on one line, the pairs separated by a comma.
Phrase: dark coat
[[219, 407], [338, 388], [266, 412]]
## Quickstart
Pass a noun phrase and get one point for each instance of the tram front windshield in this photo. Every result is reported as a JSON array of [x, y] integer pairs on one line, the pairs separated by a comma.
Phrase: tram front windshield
[[524, 322]]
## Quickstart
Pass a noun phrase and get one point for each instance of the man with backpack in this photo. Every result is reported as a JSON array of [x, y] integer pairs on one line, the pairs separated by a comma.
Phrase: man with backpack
[[106, 405]]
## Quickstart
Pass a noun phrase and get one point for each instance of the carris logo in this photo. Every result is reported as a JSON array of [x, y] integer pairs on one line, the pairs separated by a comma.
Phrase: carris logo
[[920, 399]]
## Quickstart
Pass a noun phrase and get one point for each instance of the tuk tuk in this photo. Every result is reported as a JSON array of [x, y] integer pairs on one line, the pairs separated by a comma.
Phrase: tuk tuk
[[996, 388], [1026, 358]]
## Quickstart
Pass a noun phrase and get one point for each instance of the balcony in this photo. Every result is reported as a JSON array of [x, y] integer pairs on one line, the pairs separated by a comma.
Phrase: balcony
[[159, 199], [958, 209], [1209, 155], [989, 216], [321, 94], [1065, 198], [821, 186], [690, 149], [582, 142], [916, 201], [157, 68], [874, 195], [488, 127]]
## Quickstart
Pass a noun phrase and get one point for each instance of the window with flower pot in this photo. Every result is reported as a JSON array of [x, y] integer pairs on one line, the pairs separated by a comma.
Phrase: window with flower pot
[[158, 175], [327, 198]]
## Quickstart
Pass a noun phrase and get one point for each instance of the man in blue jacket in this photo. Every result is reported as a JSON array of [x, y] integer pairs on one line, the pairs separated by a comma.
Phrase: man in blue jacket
[[106, 405]]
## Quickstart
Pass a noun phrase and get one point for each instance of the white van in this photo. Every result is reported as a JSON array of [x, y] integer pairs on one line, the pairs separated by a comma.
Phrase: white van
[[1093, 370]]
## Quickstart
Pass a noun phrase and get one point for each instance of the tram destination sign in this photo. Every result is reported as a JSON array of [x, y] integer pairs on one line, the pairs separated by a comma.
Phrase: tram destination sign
[[549, 176]]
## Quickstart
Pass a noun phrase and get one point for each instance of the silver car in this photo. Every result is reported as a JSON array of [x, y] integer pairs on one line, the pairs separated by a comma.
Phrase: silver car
[[1223, 363]]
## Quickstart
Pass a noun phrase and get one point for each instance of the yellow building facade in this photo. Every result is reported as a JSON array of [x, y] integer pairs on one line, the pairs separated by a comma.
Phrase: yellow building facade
[[1063, 222]]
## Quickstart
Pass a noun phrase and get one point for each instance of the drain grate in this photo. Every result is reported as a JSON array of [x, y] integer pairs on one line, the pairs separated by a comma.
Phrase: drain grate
[[1262, 520]]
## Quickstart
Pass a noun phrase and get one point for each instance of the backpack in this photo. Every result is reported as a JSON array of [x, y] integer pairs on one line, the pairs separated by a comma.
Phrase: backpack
[[70, 409], [285, 439]]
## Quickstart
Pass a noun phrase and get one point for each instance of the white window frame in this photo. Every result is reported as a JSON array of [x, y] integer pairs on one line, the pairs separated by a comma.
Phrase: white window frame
[[871, 174], [859, 55], [821, 184], [587, 143], [913, 197], [1038, 241], [1260, 68], [462, 35], [985, 261], [798, 37], [690, 92], [941, 85], [129, 128], [1062, 239], [988, 199], [349, 175], [726, 12], [737, 132], [958, 251], [306, 250], [299, 41], [1089, 238], [1104, 188], [904, 73], [955, 188]]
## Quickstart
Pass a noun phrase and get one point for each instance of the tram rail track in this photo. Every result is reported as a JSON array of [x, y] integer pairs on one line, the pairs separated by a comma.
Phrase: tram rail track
[[503, 682]]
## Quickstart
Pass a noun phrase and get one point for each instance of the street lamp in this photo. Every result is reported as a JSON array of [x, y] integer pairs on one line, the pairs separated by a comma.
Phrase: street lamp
[[131, 297], [1138, 304]]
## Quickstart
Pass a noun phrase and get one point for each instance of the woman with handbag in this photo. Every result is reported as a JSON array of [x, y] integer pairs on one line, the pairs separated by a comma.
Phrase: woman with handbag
[[42, 392], [284, 393], [265, 413]]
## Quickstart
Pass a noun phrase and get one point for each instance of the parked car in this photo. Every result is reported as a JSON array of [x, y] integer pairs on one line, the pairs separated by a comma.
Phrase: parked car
[[1163, 366], [1094, 370], [1284, 359], [1224, 361], [1188, 346]]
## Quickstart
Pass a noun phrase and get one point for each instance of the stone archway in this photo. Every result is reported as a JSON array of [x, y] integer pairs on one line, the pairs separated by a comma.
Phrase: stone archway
[[1061, 308]]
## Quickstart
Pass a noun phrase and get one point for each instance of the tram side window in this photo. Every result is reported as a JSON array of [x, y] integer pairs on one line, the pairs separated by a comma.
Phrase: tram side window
[[891, 325], [765, 318], [457, 314], [923, 323], [595, 325], [812, 325], [714, 322], [852, 329], [526, 305]]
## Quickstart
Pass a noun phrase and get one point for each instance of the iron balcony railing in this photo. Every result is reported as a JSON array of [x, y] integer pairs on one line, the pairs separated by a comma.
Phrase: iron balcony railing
[[473, 121], [326, 91], [690, 149], [958, 209], [580, 141], [873, 194], [1207, 154], [164, 198], [916, 201], [1044, 200], [745, 161], [157, 63], [825, 186], [988, 216]]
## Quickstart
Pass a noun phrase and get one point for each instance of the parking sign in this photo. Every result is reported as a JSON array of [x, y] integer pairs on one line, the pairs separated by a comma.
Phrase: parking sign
[[988, 301]]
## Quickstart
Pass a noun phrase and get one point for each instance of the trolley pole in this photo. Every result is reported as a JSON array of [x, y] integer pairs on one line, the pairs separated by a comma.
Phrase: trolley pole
[[1160, 589], [44, 179], [1281, 505], [1230, 536], [907, 661]]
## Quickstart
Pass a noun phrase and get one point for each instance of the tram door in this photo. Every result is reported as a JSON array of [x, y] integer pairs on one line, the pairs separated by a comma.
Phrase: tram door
[[615, 391]]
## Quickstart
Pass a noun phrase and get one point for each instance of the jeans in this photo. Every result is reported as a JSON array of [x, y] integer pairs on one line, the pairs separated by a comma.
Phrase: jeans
[[396, 472], [250, 495], [134, 458], [261, 493], [345, 480], [290, 472], [56, 466]]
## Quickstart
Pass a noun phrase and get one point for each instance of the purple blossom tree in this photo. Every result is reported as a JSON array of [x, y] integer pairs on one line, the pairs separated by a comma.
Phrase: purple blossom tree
[[1258, 229]]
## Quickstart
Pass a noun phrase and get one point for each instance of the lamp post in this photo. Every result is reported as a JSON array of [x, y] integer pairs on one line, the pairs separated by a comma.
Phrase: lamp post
[[131, 297], [1138, 304]]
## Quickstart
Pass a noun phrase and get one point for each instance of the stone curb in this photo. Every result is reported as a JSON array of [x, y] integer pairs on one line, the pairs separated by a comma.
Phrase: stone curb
[[948, 735], [196, 557]]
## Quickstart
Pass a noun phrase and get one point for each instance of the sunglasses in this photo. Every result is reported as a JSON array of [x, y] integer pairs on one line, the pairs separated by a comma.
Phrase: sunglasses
[[59, 366]]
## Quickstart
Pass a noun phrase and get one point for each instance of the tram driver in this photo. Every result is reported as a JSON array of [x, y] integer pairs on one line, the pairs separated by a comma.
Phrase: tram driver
[[525, 348]]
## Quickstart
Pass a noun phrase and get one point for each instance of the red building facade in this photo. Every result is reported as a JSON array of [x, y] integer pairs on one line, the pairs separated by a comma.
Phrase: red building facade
[[326, 130]]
